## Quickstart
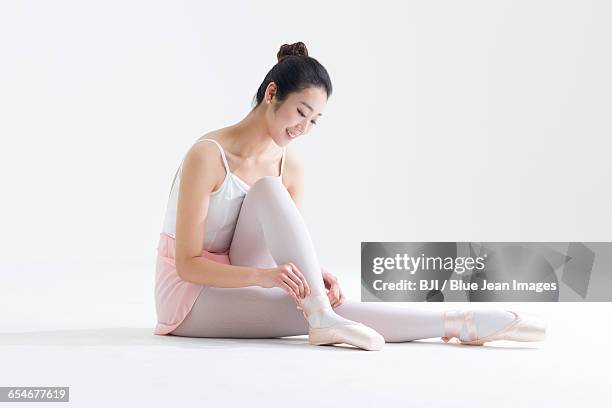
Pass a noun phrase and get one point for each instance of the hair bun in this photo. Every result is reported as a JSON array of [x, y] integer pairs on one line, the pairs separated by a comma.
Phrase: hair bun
[[298, 48]]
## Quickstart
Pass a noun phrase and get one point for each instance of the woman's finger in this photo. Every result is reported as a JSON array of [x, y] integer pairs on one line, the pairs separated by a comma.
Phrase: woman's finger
[[341, 297], [289, 292], [336, 301], [302, 278], [294, 286], [294, 275], [295, 278], [336, 290]]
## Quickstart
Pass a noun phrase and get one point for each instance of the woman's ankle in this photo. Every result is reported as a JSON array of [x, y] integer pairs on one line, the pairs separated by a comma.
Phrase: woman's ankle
[[319, 313]]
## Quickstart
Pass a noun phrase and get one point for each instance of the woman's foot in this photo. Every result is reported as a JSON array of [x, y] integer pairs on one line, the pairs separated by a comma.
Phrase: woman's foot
[[476, 328], [327, 327]]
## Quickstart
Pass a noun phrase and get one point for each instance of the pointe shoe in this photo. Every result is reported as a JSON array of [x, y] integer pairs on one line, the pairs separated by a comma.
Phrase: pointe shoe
[[521, 329], [355, 334]]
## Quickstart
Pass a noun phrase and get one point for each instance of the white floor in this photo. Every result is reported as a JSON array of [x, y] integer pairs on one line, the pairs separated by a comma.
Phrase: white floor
[[99, 342]]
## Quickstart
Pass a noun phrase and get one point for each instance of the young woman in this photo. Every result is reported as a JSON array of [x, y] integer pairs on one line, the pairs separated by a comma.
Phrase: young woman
[[235, 257]]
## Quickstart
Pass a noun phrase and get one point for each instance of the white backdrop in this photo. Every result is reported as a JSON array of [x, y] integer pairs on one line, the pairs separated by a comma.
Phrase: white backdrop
[[456, 121]]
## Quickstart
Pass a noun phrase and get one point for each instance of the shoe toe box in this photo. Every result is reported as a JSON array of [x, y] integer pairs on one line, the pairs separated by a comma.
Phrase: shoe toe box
[[530, 329]]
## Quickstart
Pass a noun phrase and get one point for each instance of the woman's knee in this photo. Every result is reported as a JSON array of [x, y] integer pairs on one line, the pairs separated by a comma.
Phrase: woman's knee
[[266, 183]]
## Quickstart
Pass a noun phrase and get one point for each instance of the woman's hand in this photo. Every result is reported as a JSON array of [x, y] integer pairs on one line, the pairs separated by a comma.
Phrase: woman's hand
[[287, 277], [335, 295]]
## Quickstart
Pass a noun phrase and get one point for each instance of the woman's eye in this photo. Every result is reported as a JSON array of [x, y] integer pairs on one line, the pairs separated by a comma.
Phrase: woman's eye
[[312, 121]]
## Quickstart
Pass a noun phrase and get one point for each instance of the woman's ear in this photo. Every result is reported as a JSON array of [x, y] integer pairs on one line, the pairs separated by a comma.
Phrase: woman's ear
[[270, 92]]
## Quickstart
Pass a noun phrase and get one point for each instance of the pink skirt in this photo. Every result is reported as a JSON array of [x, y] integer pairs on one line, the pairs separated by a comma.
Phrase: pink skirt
[[175, 297]]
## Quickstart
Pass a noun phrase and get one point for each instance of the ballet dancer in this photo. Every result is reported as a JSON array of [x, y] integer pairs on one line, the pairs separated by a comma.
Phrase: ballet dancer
[[235, 258]]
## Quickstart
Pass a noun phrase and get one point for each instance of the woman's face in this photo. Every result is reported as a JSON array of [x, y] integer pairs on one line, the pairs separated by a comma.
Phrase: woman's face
[[296, 116]]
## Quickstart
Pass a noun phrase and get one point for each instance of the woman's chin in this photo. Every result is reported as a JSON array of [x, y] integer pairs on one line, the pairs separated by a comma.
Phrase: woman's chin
[[282, 142]]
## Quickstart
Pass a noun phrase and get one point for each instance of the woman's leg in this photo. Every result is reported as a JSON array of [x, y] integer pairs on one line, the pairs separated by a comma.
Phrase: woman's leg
[[249, 312], [271, 231], [254, 312]]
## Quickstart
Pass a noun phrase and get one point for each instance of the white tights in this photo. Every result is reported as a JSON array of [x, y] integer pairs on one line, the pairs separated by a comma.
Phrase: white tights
[[270, 231]]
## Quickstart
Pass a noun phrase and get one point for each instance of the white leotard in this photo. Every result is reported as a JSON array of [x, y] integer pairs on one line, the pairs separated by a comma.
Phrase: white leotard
[[223, 208]]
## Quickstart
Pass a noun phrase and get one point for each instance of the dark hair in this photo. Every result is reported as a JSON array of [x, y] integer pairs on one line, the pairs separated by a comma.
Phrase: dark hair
[[294, 71]]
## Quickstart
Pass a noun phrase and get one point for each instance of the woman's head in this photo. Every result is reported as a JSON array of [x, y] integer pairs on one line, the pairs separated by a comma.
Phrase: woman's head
[[293, 94]]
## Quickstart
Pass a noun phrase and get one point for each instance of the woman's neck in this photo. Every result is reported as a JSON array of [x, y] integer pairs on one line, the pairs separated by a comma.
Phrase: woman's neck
[[250, 137]]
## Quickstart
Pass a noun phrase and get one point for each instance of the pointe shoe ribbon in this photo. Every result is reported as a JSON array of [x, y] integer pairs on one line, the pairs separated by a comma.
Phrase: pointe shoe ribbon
[[315, 302], [355, 334], [521, 329]]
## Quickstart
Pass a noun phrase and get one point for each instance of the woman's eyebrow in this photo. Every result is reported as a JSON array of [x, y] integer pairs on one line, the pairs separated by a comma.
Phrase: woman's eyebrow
[[309, 107]]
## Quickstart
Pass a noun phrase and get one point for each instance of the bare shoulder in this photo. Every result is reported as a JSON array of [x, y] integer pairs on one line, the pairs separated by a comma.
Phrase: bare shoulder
[[202, 154], [209, 151], [203, 160]]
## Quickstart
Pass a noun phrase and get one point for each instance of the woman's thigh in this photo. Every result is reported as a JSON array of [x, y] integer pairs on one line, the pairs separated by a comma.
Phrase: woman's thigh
[[248, 246], [248, 312]]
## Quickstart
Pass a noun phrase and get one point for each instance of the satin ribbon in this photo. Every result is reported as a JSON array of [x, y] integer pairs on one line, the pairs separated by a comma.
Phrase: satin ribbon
[[454, 321], [317, 303]]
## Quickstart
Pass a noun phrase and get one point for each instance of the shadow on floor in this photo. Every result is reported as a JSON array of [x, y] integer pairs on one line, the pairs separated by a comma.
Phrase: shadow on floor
[[133, 337], [145, 337]]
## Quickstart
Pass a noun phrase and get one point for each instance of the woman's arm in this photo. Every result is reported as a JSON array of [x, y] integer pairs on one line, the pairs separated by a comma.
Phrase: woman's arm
[[200, 170]]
